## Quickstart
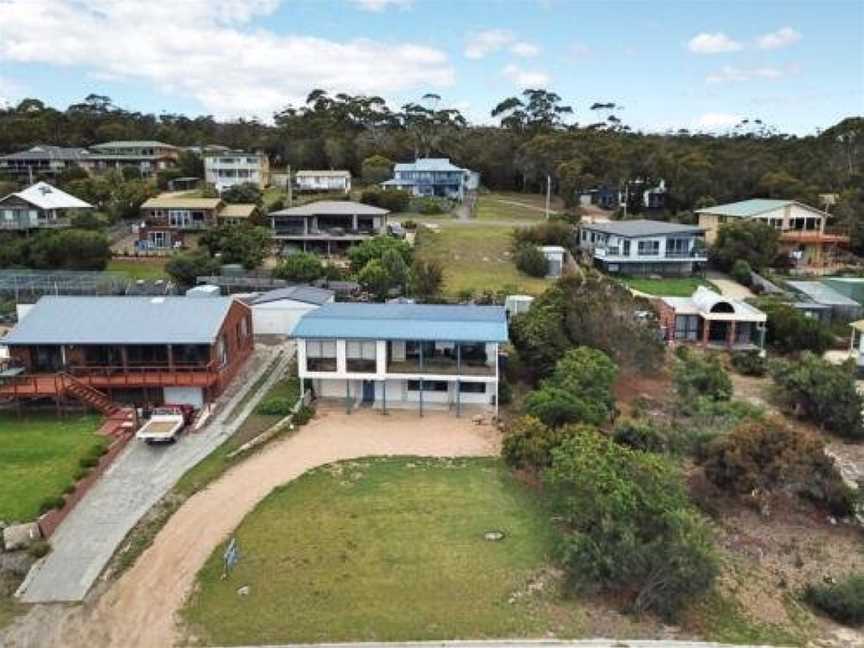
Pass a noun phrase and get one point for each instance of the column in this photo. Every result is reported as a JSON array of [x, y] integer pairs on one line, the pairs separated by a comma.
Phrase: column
[[170, 358], [354, 222], [706, 331], [730, 336]]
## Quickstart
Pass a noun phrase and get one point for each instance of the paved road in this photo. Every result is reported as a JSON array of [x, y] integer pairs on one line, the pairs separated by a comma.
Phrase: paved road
[[530, 643], [139, 477]]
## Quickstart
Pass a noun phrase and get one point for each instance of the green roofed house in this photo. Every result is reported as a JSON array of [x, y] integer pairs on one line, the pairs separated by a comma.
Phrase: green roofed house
[[402, 355], [803, 232]]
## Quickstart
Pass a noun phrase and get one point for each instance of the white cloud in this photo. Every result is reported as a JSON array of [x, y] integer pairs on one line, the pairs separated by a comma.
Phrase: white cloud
[[781, 38], [480, 44], [378, 6], [205, 50], [714, 121], [717, 43], [525, 50], [729, 73], [525, 78], [10, 92]]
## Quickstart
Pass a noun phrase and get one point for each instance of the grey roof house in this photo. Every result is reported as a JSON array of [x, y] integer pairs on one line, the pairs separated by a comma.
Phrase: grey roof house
[[643, 247], [42, 160], [328, 226]]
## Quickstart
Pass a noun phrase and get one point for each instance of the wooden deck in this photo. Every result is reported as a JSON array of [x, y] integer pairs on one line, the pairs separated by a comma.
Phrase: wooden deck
[[32, 385]]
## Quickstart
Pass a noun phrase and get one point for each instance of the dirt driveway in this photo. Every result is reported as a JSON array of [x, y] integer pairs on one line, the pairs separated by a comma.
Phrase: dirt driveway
[[138, 610]]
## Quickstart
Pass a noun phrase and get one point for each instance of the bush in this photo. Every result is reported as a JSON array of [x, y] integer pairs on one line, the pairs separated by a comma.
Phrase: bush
[[394, 200], [303, 415], [409, 224], [505, 393], [741, 272], [428, 206], [531, 260], [528, 442], [843, 601], [825, 393], [697, 375], [552, 232], [80, 473], [51, 503], [750, 363], [184, 268], [375, 249], [641, 435], [768, 456], [376, 168], [555, 407], [628, 524], [88, 461], [275, 406], [39, 549], [752, 241], [790, 331], [301, 266]]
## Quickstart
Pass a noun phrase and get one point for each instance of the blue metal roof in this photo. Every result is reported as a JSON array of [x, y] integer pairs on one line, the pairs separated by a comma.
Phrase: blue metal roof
[[121, 320], [405, 322], [428, 164]]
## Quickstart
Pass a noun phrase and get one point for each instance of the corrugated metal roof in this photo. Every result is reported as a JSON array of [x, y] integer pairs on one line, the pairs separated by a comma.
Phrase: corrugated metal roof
[[179, 202], [241, 210], [428, 164], [44, 196], [641, 227], [121, 320], [751, 207], [405, 322], [332, 207], [121, 144], [821, 294], [49, 152], [307, 294]]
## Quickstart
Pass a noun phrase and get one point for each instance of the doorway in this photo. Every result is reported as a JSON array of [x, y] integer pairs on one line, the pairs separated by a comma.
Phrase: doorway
[[368, 392]]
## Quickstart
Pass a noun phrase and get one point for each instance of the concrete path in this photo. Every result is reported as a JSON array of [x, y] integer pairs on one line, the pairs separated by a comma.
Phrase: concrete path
[[139, 477], [728, 287]]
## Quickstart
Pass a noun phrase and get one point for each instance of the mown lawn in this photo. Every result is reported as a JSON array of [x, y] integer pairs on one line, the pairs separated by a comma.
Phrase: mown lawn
[[39, 457], [665, 287], [387, 549], [501, 207], [146, 269], [476, 258]]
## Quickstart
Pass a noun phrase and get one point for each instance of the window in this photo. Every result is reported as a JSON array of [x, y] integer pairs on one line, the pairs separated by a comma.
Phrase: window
[[361, 355], [677, 247], [244, 327], [428, 385], [179, 217], [472, 387], [687, 327], [321, 355], [649, 248]]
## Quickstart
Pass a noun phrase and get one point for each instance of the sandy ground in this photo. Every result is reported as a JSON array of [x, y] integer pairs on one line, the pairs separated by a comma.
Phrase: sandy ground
[[139, 609], [728, 287]]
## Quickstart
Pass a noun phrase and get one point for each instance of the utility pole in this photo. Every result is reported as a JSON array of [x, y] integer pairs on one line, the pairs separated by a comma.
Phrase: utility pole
[[290, 189], [548, 194]]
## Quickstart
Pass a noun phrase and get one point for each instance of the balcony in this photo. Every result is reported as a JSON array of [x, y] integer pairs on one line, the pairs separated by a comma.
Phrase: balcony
[[441, 359], [321, 364], [58, 223], [838, 236], [360, 365], [615, 254]]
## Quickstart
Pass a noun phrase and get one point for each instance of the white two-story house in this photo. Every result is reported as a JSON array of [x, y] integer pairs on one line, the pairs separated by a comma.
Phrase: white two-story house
[[231, 168], [418, 356], [644, 247]]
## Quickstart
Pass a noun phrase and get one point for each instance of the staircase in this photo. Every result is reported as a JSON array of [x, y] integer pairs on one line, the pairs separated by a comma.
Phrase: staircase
[[88, 395]]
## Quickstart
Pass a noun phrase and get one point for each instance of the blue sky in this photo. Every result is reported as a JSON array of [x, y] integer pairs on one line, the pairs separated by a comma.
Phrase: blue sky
[[696, 64]]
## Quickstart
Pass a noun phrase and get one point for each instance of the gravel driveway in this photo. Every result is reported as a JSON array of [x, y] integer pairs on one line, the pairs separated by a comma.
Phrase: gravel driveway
[[138, 610], [138, 478]]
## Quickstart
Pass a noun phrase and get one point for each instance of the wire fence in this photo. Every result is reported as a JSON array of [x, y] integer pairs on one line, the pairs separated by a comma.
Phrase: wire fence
[[25, 286]]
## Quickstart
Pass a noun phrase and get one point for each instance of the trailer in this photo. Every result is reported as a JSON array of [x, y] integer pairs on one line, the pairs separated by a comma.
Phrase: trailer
[[165, 423]]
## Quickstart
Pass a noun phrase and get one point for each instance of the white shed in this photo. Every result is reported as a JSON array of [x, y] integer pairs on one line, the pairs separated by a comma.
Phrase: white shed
[[277, 312], [556, 256]]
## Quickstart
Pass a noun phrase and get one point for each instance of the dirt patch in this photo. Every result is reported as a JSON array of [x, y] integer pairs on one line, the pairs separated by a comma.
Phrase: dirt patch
[[643, 392]]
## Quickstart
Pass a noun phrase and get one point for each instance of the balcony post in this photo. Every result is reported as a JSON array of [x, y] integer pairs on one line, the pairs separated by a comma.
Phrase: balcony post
[[170, 358], [421, 397], [458, 398], [384, 397], [347, 396]]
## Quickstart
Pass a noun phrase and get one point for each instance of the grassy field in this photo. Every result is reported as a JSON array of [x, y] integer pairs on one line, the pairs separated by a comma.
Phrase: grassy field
[[475, 258], [502, 207], [39, 457], [385, 550], [665, 287], [143, 268]]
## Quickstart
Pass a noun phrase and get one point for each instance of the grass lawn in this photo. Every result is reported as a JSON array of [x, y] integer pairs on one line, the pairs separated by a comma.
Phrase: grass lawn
[[39, 457], [500, 206], [143, 268], [387, 549], [475, 258], [667, 286]]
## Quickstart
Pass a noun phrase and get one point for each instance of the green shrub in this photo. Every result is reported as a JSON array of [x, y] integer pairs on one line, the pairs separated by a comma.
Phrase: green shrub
[[505, 393], [769, 456], [51, 503], [628, 525], [88, 461], [698, 375], [750, 363], [81, 473], [825, 393], [741, 271], [641, 435], [528, 442], [409, 224], [790, 331], [39, 549], [555, 406], [70, 488], [303, 415], [275, 406], [551, 232], [427, 205], [394, 200], [530, 260], [843, 601], [300, 267]]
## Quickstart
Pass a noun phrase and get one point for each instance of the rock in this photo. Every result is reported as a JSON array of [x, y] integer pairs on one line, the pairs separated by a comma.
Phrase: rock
[[832, 520], [20, 536], [244, 591], [16, 563]]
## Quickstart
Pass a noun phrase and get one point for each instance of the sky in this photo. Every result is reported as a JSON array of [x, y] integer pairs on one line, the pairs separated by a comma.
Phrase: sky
[[696, 64]]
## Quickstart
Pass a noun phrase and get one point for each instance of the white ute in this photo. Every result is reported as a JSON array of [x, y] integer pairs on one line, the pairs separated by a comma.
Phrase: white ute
[[164, 425]]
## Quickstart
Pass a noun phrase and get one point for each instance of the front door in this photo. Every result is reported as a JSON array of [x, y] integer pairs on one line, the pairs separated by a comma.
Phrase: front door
[[368, 392], [47, 359]]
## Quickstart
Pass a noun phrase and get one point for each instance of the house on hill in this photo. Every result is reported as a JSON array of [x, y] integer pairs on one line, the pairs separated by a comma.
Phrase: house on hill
[[105, 350], [323, 180], [435, 177], [166, 218], [43, 160], [39, 206], [147, 156], [402, 355], [328, 226], [644, 247], [804, 234]]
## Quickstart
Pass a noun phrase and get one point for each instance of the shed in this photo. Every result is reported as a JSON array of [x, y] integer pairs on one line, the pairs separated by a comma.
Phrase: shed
[[277, 312], [842, 307], [516, 304], [852, 287], [556, 256]]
